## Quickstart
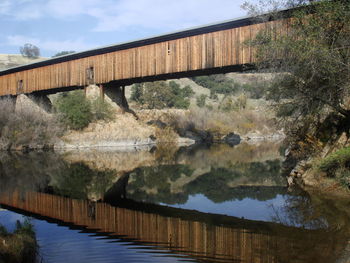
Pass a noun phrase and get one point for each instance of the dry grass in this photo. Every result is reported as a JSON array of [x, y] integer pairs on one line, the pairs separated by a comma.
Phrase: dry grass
[[123, 127], [241, 122], [26, 126], [17, 249], [19, 246]]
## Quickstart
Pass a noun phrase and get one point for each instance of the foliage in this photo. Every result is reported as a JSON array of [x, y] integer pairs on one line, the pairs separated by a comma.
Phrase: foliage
[[75, 109], [315, 60], [217, 185], [221, 122], [160, 94], [62, 53], [19, 246], [26, 126], [30, 51], [337, 160], [160, 178], [80, 182], [218, 84], [200, 100], [224, 178], [256, 90], [25, 227], [136, 93], [101, 110]]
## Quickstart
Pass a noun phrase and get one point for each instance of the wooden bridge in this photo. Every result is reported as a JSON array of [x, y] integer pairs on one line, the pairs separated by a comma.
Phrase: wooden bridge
[[217, 48], [200, 236]]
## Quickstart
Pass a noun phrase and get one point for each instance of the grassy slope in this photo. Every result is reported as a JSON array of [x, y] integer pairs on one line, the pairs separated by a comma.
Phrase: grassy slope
[[13, 60]]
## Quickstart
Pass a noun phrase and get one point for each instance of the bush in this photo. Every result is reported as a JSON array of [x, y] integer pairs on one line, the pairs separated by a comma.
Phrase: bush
[[218, 84], [161, 94], [200, 100], [339, 160], [102, 110], [137, 93], [74, 109], [19, 246], [27, 126], [343, 176], [63, 53], [256, 90]]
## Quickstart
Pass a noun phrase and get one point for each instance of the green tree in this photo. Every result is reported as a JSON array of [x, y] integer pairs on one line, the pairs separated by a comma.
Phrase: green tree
[[62, 53], [161, 94], [137, 92], [314, 61], [75, 109], [218, 84], [157, 95], [30, 51]]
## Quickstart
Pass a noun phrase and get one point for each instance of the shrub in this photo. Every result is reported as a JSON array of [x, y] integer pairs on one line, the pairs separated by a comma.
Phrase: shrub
[[75, 110], [256, 90], [102, 110], [218, 84], [19, 246], [137, 93], [343, 176], [200, 100], [161, 94], [28, 126], [221, 122], [339, 160]]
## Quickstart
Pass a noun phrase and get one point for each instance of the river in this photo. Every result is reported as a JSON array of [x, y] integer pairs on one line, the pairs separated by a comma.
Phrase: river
[[201, 204]]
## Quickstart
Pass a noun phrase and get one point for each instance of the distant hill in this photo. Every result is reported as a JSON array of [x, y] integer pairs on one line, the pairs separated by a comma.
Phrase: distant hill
[[13, 60]]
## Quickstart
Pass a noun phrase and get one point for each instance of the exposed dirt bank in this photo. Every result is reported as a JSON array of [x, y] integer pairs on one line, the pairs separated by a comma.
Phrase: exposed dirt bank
[[309, 177]]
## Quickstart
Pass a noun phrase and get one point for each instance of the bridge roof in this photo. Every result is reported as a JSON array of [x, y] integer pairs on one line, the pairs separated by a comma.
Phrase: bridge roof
[[228, 24]]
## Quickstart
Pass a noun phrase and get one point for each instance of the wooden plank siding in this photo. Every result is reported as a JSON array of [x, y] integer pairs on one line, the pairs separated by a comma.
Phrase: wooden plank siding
[[233, 240], [212, 50]]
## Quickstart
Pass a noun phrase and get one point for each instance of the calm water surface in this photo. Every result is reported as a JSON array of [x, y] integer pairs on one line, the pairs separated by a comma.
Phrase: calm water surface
[[204, 204]]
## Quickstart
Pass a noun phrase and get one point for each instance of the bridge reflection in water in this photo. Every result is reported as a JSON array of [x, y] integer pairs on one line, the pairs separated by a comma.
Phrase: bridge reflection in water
[[197, 235]]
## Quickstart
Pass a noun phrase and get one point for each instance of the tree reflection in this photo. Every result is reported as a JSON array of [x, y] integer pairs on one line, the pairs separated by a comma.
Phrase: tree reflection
[[80, 182], [299, 211]]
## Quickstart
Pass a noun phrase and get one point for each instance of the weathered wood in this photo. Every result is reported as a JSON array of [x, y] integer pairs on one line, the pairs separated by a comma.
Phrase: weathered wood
[[218, 50], [195, 234]]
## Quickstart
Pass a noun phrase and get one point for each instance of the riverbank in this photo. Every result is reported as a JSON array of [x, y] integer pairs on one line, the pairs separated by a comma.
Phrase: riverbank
[[19, 246], [323, 171]]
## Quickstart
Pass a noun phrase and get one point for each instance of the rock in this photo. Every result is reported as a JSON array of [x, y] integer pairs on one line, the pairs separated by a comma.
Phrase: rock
[[157, 123], [152, 137], [232, 139], [198, 136]]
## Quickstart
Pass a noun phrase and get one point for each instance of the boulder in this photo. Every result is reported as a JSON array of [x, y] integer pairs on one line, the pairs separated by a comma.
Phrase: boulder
[[232, 139]]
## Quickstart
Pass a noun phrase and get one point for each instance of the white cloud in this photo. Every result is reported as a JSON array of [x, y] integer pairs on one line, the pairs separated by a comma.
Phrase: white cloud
[[49, 45], [113, 15], [172, 15], [5, 6]]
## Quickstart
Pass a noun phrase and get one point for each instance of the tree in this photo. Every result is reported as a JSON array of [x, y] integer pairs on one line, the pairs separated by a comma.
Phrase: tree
[[62, 53], [161, 94], [157, 95], [30, 51], [314, 62]]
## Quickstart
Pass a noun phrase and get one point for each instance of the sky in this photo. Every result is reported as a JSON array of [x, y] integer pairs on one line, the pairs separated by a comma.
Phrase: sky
[[78, 25]]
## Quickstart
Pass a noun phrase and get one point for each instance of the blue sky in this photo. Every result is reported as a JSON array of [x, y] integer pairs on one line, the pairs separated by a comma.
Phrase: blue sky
[[57, 25]]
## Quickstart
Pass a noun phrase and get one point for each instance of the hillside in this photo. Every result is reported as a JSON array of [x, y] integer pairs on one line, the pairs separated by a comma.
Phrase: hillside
[[13, 60]]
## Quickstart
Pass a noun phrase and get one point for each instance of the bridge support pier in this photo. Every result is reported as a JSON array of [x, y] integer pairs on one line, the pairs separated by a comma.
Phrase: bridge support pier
[[38, 102], [43, 101], [117, 94]]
